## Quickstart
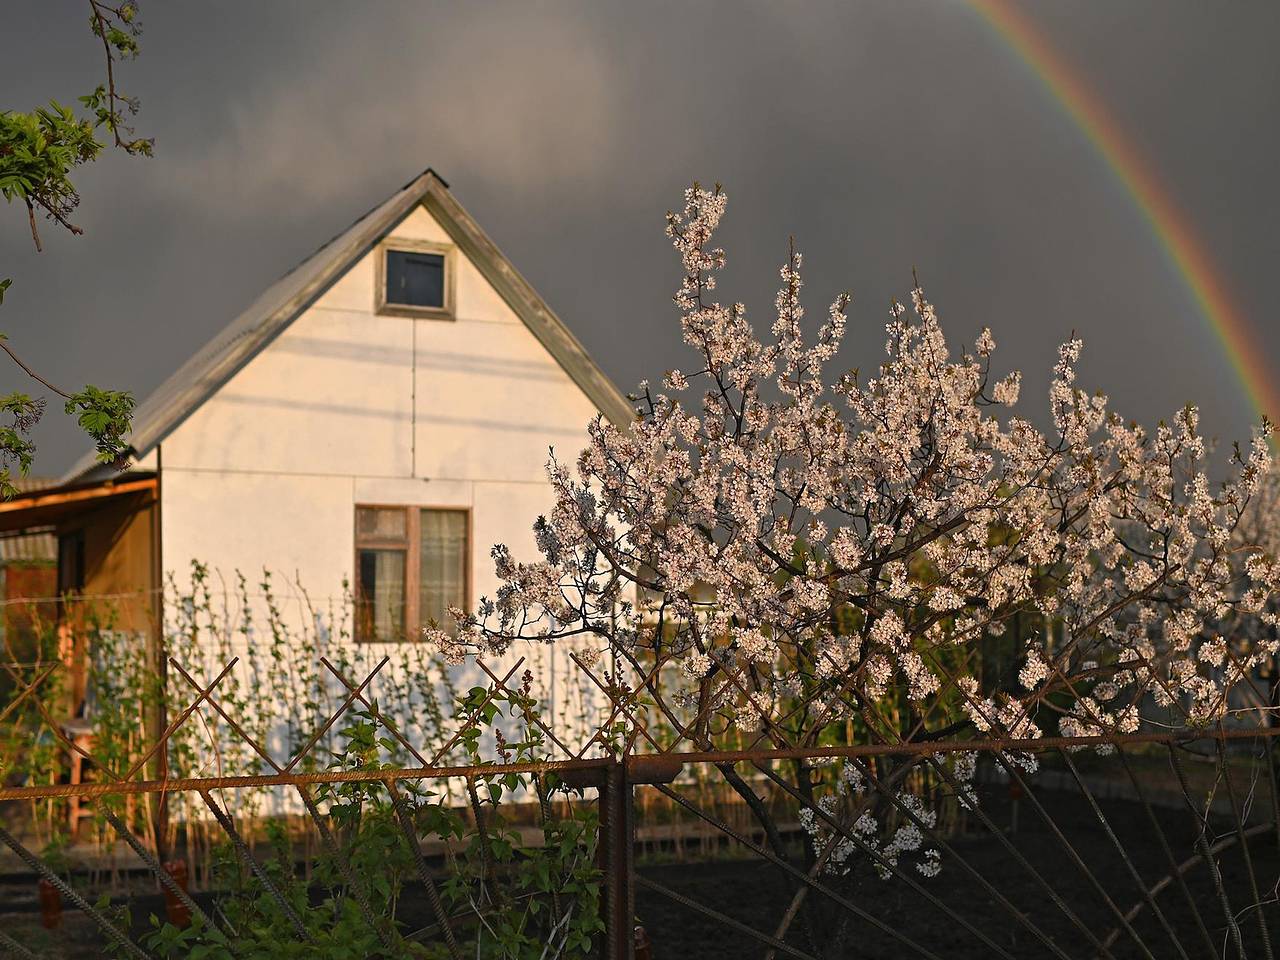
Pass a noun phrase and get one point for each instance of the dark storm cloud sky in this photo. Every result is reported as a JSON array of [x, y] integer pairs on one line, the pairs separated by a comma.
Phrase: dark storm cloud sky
[[882, 135]]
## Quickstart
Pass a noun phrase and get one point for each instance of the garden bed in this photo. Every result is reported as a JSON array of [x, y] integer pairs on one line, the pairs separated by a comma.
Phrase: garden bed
[[756, 893]]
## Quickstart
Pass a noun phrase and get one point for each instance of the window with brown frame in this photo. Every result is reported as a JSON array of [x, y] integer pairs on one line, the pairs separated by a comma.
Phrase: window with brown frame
[[415, 278], [412, 565]]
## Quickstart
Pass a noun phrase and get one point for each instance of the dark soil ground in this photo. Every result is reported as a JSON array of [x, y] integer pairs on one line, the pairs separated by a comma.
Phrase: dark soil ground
[[756, 895]]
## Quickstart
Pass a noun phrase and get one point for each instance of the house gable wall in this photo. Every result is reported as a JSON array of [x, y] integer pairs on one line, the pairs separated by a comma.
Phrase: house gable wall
[[347, 406]]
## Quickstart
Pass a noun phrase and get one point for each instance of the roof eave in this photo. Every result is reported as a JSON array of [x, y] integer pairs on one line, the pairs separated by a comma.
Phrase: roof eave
[[528, 305]]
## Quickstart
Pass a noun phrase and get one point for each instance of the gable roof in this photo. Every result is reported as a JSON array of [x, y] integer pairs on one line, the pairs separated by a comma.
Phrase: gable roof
[[281, 303]]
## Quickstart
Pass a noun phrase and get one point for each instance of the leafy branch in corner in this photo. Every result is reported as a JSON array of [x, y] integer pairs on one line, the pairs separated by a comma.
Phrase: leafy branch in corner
[[39, 151]]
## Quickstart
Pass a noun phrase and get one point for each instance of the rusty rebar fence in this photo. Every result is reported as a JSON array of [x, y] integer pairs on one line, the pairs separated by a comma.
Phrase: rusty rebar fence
[[1164, 846], [1154, 844], [279, 834]]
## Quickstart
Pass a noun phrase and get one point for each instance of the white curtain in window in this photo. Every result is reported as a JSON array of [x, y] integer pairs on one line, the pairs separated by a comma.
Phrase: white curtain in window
[[389, 598], [443, 569]]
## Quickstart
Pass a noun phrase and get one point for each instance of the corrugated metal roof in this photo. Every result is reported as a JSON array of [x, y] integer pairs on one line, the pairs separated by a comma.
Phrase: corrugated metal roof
[[215, 363], [29, 548], [35, 547]]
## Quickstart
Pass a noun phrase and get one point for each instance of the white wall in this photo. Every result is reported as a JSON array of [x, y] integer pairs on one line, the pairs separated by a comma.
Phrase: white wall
[[347, 406]]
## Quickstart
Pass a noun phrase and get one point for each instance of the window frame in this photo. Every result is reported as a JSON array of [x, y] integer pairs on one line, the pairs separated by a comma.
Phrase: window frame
[[404, 245], [412, 546]]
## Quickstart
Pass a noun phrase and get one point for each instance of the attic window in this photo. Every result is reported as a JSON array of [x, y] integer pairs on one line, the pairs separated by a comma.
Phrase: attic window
[[415, 279]]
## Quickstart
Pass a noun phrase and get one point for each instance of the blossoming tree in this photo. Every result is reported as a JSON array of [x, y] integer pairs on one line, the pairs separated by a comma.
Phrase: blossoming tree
[[775, 554]]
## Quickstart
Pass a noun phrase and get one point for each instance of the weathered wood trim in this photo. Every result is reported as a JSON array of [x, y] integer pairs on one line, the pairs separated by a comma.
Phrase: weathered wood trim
[[380, 304], [224, 367], [519, 294], [58, 497]]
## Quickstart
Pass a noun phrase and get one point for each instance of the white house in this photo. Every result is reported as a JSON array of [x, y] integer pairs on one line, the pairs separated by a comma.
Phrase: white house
[[380, 417]]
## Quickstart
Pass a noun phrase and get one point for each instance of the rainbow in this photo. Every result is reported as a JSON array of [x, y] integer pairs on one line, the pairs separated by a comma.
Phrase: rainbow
[[1167, 223]]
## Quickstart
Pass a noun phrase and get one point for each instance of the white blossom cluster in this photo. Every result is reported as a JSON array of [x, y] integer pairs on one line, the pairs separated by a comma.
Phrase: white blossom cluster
[[803, 544], [793, 532], [882, 839]]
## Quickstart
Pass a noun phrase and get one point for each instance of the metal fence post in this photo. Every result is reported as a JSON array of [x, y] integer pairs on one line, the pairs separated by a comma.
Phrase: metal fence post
[[616, 828]]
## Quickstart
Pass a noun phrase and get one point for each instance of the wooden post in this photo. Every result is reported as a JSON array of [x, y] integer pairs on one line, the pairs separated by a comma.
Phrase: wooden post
[[158, 657], [175, 909]]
